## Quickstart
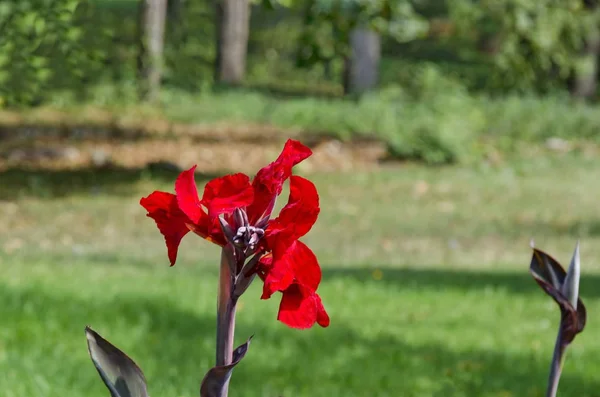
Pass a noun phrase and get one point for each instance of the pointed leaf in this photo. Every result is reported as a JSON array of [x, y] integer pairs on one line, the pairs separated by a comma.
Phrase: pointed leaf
[[246, 276], [550, 275], [120, 374], [570, 288], [573, 322], [227, 229], [217, 378]]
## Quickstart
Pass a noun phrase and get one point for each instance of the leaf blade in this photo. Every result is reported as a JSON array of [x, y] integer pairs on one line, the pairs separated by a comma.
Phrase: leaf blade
[[120, 374], [570, 288], [551, 277], [217, 377]]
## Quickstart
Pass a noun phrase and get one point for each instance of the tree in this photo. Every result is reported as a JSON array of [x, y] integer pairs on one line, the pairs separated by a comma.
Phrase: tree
[[585, 82], [533, 45], [362, 63], [233, 26], [152, 22], [40, 49], [354, 29]]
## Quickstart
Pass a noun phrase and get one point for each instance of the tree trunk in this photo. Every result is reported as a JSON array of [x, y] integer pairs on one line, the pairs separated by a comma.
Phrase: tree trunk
[[233, 28], [586, 68], [362, 66], [586, 72], [151, 40]]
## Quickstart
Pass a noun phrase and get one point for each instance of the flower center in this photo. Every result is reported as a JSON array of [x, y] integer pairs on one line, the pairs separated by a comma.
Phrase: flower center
[[248, 236]]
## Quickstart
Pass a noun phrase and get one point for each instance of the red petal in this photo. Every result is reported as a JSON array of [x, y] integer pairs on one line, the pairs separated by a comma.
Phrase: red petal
[[187, 196], [299, 214], [280, 274], [269, 180], [322, 316], [305, 266], [264, 266], [223, 195], [301, 308], [189, 203], [171, 221], [210, 231], [296, 263]]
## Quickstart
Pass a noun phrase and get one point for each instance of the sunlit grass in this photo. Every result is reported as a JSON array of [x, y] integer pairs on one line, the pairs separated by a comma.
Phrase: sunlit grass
[[424, 276]]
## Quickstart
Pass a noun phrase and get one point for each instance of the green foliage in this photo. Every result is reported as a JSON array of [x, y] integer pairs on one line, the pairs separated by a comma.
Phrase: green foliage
[[533, 44], [76, 44], [438, 123], [190, 46], [514, 120], [430, 118], [427, 109], [327, 25], [35, 35]]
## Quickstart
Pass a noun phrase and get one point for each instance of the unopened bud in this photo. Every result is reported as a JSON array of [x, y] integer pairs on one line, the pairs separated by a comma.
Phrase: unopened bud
[[227, 230], [241, 218]]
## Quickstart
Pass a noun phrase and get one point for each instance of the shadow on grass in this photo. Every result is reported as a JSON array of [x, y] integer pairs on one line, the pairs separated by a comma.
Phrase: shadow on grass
[[438, 279], [514, 282], [113, 180], [590, 227], [174, 347]]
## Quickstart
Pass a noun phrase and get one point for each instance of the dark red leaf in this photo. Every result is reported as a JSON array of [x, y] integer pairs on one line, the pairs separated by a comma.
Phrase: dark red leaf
[[215, 380], [550, 276], [120, 374]]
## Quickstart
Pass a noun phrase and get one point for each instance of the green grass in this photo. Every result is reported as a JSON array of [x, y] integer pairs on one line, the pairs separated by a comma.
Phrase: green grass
[[424, 276]]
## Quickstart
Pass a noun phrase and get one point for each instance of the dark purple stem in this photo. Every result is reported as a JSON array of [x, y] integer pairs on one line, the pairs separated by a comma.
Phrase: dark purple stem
[[226, 305], [556, 365]]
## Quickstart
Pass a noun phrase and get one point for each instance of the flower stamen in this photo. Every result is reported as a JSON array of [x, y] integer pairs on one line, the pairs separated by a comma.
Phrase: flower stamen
[[248, 237]]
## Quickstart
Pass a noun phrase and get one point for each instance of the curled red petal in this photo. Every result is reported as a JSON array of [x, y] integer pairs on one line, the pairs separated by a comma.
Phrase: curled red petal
[[225, 194], [189, 203], [210, 230], [300, 213], [278, 276], [170, 220], [295, 263], [322, 316], [300, 308], [269, 180], [187, 196], [305, 265], [264, 265]]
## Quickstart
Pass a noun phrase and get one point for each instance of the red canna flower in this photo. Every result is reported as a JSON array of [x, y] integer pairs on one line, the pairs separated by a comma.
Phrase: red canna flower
[[236, 213]]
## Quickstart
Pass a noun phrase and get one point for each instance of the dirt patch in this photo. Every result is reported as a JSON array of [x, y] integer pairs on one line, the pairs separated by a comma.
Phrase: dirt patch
[[179, 153], [50, 139], [92, 123]]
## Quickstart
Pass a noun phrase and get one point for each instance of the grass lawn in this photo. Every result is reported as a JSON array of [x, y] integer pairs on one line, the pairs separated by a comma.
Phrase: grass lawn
[[424, 276]]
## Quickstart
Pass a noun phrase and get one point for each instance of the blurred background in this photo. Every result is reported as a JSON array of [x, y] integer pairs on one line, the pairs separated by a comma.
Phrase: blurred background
[[446, 134]]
